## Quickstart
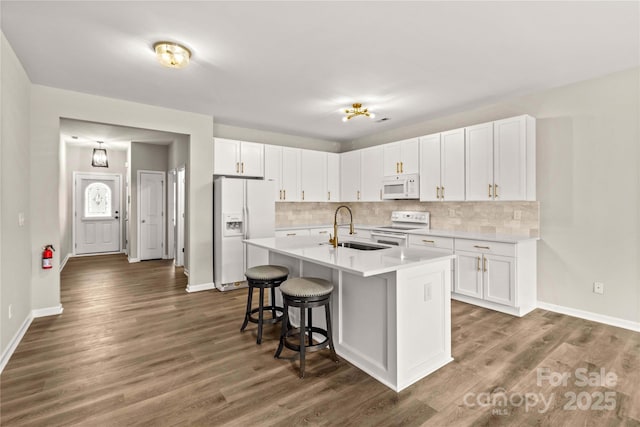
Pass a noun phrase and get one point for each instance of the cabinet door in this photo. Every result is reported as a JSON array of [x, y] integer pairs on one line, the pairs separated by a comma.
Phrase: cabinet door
[[391, 157], [499, 279], [479, 161], [510, 159], [468, 274], [350, 176], [409, 155], [226, 157], [333, 177], [273, 168], [371, 174], [430, 168], [292, 233], [452, 163], [252, 159], [291, 174], [313, 176]]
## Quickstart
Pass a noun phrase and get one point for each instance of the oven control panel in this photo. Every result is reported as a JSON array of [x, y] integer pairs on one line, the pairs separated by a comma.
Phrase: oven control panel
[[410, 216]]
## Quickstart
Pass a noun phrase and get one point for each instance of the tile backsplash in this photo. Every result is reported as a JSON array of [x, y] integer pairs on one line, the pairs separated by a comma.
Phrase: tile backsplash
[[519, 218]]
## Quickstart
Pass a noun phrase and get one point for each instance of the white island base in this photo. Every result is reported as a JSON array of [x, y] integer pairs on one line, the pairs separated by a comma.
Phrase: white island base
[[394, 325]]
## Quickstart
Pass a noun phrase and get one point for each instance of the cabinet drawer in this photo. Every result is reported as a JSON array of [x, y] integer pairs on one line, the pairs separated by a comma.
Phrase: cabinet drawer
[[321, 231], [481, 246], [431, 241], [292, 233], [358, 233]]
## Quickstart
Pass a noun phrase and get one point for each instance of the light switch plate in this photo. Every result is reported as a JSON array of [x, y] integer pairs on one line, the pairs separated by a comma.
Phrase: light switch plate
[[517, 215], [21, 219], [598, 288]]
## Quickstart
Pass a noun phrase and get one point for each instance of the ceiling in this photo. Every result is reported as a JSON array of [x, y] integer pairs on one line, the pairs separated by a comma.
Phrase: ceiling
[[291, 67]]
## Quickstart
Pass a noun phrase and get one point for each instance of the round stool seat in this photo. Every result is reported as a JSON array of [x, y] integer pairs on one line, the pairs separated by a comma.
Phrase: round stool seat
[[266, 272], [304, 287]]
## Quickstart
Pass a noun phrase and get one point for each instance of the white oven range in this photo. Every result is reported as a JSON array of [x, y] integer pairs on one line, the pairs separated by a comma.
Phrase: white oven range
[[401, 222]]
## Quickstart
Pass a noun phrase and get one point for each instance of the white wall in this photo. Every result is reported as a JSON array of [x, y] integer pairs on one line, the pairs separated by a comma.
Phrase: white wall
[[16, 251], [150, 157], [48, 105], [179, 156], [588, 185], [274, 138]]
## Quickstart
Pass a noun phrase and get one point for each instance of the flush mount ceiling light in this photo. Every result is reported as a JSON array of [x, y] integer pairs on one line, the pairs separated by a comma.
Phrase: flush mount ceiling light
[[357, 110], [99, 158], [172, 55]]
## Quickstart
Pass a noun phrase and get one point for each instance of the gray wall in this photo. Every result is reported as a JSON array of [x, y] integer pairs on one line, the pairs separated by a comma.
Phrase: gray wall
[[588, 185], [179, 156], [150, 157], [16, 251], [78, 159]]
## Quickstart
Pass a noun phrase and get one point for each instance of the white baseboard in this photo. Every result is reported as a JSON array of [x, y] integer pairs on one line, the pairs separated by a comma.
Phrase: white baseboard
[[587, 315], [201, 287], [64, 261], [13, 344], [47, 311], [132, 260], [186, 272]]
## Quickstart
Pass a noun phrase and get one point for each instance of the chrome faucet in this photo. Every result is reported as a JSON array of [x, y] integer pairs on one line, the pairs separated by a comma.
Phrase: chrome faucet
[[334, 240]]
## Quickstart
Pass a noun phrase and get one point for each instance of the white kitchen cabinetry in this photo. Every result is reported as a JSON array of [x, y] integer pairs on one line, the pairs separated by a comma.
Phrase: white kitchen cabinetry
[[333, 177], [282, 165], [442, 166], [321, 231], [371, 174], [443, 245], [499, 276], [313, 174], [401, 157], [500, 160], [238, 158], [350, 176], [293, 232], [359, 234]]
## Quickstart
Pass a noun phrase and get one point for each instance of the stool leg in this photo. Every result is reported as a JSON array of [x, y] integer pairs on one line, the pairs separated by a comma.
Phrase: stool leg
[[260, 315], [273, 302], [330, 333], [283, 329], [302, 345], [310, 326], [248, 311]]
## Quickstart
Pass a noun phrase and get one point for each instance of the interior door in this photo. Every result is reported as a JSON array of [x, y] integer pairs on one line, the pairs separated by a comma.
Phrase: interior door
[[97, 213], [151, 215], [180, 219]]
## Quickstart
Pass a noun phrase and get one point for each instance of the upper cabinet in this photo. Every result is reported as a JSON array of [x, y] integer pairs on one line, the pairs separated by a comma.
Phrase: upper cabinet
[[333, 177], [401, 157], [238, 158], [282, 165], [350, 176], [442, 166], [313, 173], [500, 160], [371, 174]]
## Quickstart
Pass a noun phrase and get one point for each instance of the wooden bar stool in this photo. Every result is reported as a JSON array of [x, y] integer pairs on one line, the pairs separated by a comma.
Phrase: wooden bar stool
[[264, 277], [306, 293]]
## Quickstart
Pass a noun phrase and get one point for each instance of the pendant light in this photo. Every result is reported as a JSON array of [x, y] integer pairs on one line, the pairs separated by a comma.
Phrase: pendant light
[[99, 158]]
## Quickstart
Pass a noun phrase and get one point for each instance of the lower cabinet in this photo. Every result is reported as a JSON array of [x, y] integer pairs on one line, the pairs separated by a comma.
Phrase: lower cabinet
[[490, 277]]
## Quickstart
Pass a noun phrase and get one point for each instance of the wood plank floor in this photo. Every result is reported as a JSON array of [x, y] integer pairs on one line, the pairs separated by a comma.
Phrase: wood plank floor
[[132, 347]]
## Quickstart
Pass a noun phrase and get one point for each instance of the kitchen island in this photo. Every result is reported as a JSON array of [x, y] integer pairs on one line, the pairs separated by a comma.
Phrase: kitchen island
[[391, 308]]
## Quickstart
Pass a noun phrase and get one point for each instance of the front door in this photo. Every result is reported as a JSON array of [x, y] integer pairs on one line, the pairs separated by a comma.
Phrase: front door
[[151, 196], [97, 213]]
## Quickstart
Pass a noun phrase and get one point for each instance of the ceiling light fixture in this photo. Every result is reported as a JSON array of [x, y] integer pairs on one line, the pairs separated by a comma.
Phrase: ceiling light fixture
[[99, 158], [172, 55], [357, 110]]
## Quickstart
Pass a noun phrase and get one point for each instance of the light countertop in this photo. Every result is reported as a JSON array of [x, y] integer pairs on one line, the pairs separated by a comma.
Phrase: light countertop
[[364, 263]]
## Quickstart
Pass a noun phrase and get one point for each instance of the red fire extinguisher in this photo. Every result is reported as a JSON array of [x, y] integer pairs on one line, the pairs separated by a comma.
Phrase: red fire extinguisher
[[47, 255]]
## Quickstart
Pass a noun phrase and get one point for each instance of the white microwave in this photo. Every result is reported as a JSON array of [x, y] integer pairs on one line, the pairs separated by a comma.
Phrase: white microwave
[[401, 187]]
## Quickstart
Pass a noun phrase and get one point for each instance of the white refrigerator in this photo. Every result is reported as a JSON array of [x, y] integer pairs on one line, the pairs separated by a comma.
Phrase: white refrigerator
[[242, 209]]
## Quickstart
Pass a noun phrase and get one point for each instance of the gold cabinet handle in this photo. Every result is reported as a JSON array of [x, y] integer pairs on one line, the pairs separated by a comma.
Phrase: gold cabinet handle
[[284, 194], [323, 232], [302, 194], [442, 193], [489, 191], [478, 264], [438, 193], [291, 234], [428, 241], [481, 247], [242, 167], [495, 191], [397, 167], [358, 194], [484, 264], [280, 194], [328, 195], [401, 167], [237, 167]]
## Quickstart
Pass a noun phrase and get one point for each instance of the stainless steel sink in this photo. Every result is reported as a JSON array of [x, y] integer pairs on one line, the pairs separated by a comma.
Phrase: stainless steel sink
[[362, 246]]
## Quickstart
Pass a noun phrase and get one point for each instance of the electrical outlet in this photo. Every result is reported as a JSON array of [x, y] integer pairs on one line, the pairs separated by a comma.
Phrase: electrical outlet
[[10, 311], [21, 219], [452, 212], [517, 215], [598, 288]]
